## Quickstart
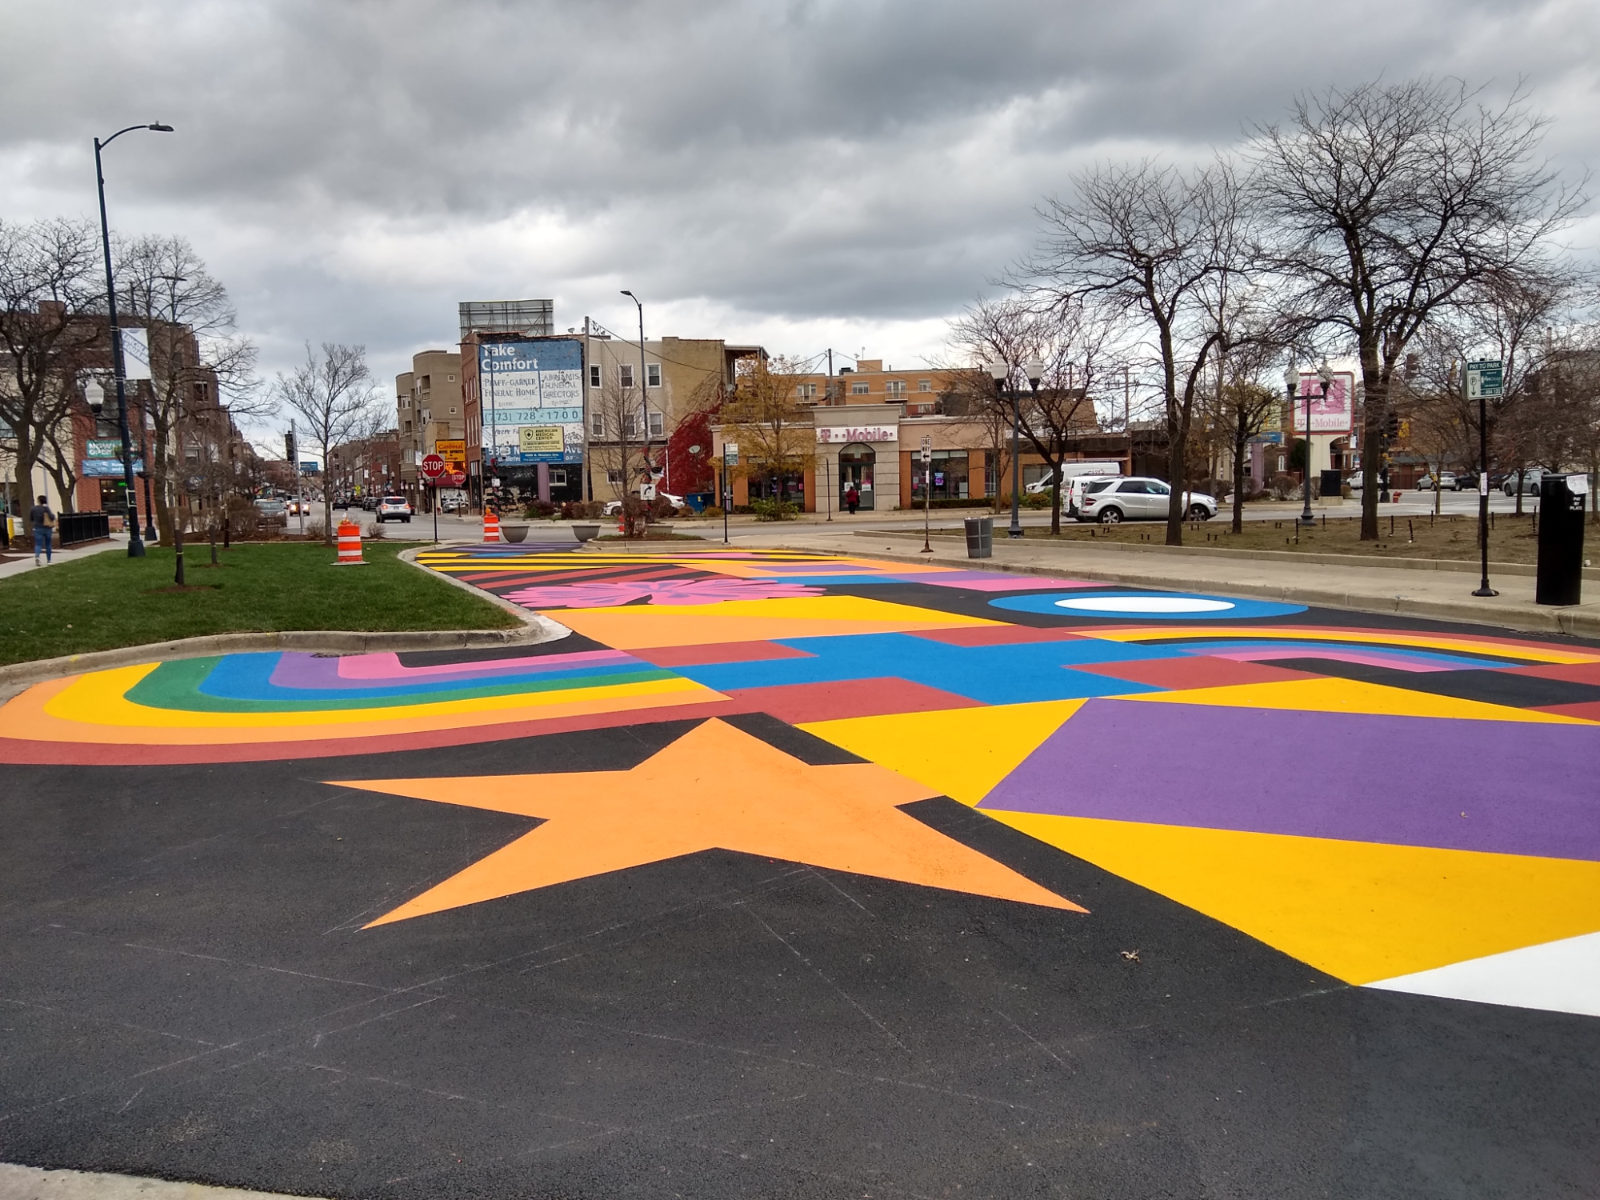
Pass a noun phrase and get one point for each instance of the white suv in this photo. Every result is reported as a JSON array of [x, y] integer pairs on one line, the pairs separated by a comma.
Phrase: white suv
[[1073, 500], [1139, 499], [394, 508]]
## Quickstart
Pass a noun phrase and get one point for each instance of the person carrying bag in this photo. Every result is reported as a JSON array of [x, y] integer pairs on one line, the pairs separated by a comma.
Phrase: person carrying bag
[[44, 529]]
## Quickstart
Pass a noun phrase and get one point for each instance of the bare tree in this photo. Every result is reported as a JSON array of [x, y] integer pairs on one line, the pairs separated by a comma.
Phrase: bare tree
[[1072, 342], [333, 393], [48, 286], [196, 354], [1166, 249], [1387, 203]]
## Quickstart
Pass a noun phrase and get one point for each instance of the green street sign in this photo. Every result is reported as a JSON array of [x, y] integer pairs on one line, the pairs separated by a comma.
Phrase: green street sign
[[1485, 379]]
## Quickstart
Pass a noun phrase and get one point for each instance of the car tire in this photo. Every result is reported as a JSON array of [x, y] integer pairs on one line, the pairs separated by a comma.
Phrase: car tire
[[1110, 516], [1199, 512]]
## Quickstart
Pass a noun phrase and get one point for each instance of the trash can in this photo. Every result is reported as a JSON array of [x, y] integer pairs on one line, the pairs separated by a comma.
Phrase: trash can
[[1560, 571], [980, 537]]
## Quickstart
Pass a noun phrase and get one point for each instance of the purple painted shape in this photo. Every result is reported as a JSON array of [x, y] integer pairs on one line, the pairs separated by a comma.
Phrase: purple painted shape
[[995, 581], [299, 670], [1504, 787]]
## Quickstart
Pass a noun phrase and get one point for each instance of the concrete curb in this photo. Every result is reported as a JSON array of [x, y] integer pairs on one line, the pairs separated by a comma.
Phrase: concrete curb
[[1524, 620], [33, 1183], [534, 629]]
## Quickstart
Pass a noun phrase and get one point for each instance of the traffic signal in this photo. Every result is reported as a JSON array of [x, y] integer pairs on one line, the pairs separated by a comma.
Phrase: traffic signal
[[1392, 429], [288, 445]]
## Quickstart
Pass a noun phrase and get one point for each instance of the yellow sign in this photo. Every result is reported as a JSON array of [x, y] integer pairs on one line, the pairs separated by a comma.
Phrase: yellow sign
[[540, 439], [454, 453]]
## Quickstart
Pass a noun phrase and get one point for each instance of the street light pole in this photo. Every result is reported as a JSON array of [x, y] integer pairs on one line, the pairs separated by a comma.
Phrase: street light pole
[[135, 544], [644, 410], [1483, 588], [1000, 372]]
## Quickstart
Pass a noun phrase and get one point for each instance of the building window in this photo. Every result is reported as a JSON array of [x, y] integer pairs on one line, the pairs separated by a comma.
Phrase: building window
[[859, 388], [652, 375], [658, 423], [614, 477], [597, 423], [924, 385], [625, 375], [632, 426], [558, 477], [451, 378], [806, 391], [594, 375], [895, 387]]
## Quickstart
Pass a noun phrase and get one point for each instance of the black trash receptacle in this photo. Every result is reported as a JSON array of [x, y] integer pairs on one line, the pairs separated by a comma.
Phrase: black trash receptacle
[[980, 537], [1560, 571]]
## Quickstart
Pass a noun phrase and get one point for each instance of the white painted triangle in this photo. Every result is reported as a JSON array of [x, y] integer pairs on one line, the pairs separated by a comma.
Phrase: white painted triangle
[[1559, 976]]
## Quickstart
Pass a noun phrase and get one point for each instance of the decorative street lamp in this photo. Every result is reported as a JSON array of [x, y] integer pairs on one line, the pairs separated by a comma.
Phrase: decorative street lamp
[[135, 545], [1000, 372], [1291, 381]]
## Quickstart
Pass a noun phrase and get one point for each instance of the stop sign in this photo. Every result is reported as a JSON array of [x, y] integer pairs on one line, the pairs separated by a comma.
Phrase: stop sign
[[456, 478], [433, 466]]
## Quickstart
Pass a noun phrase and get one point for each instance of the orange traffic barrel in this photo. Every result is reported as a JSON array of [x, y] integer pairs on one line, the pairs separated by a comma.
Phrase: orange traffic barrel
[[349, 544], [491, 526]]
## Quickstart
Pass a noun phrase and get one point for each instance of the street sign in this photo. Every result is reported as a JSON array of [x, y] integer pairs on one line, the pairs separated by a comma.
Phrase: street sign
[[927, 449], [455, 479], [433, 467], [730, 453], [1485, 379]]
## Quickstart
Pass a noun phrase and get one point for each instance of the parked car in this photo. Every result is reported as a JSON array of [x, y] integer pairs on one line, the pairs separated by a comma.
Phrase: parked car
[[1072, 500], [1529, 480], [274, 512], [1446, 482], [369, 503], [394, 508], [1139, 498], [452, 504], [1354, 482]]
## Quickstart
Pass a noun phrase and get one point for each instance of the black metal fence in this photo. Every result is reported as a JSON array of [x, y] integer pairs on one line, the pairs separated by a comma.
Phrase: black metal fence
[[78, 527]]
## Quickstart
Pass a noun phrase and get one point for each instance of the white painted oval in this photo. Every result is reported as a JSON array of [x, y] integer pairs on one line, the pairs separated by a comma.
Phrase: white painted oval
[[1144, 604]]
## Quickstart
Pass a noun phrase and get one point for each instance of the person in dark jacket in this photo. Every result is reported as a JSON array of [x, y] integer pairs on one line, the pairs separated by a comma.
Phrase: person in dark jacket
[[44, 528]]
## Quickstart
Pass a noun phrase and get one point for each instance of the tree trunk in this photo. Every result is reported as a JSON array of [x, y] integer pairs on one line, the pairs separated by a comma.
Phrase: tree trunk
[[1239, 444]]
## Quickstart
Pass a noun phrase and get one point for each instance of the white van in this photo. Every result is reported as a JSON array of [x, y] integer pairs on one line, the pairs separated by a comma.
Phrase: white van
[[1070, 471]]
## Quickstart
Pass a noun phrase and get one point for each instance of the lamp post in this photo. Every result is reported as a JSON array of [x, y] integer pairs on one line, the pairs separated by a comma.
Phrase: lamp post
[[1034, 369], [1000, 372], [644, 411], [135, 544]]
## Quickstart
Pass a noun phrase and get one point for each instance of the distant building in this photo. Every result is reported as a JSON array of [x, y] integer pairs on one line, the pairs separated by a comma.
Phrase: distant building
[[429, 411]]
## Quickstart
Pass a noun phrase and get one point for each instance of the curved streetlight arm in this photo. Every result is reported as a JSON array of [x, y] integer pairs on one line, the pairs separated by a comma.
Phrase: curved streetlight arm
[[135, 544]]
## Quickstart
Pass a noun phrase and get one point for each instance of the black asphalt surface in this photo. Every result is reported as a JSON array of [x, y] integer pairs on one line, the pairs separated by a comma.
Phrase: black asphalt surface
[[187, 991]]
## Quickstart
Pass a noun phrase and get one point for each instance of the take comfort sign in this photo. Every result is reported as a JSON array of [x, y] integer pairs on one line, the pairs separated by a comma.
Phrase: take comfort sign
[[857, 433]]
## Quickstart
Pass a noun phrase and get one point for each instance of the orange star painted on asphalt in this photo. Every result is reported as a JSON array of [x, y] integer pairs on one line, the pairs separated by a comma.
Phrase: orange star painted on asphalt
[[716, 787]]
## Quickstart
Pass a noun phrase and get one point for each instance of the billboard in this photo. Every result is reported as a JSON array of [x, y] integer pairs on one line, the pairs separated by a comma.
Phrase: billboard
[[531, 394], [1330, 414], [135, 354], [106, 468]]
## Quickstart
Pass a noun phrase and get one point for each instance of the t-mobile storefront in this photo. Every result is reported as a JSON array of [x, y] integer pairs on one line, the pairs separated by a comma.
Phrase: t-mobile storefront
[[858, 447]]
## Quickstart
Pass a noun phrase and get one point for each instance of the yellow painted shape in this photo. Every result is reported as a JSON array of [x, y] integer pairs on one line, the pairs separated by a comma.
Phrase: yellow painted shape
[[1506, 647], [1351, 696], [94, 706], [753, 621], [1361, 911], [962, 753]]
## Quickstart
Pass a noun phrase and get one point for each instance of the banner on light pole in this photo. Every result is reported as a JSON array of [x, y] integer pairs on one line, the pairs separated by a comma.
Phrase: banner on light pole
[[135, 354]]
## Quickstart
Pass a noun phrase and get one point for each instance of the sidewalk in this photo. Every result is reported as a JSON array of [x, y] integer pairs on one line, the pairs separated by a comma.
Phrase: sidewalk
[[1412, 592], [22, 550]]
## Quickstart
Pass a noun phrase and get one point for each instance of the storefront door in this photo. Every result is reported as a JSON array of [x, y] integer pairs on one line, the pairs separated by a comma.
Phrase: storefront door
[[856, 462]]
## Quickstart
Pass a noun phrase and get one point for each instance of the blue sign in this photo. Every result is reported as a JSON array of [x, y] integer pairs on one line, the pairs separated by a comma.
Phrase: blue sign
[[107, 468], [310, 468]]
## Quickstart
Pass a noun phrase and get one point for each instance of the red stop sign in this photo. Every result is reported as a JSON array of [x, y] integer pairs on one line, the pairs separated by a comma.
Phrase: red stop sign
[[455, 478], [433, 466]]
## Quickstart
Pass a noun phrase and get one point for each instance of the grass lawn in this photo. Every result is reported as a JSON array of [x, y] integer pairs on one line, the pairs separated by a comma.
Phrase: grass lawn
[[112, 600], [1511, 539]]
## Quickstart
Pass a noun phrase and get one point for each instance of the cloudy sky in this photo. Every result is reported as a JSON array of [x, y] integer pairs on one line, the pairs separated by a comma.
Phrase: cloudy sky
[[804, 174]]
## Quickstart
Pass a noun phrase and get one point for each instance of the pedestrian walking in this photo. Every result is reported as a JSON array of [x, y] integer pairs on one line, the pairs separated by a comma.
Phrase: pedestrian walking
[[44, 529], [852, 499]]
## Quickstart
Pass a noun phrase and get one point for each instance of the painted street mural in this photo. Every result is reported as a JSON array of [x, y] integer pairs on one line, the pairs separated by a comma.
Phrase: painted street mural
[[1402, 809]]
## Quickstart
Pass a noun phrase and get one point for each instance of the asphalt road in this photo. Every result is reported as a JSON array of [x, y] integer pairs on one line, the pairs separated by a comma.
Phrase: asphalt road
[[788, 875]]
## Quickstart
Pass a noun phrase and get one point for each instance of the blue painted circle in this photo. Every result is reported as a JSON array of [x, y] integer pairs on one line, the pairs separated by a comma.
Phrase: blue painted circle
[[1145, 606]]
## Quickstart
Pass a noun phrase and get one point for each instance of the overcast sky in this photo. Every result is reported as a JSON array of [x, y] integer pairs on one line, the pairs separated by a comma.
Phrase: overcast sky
[[843, 173]]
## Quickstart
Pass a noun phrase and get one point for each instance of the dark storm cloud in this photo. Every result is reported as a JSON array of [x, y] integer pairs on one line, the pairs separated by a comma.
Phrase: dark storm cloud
[[359, 166]]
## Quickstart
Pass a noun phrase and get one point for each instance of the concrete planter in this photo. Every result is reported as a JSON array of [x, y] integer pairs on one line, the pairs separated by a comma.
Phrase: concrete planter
[[514, 533], [586, 533]]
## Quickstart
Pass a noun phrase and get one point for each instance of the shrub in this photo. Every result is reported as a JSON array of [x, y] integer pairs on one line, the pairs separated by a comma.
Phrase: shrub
[[712, 510], [774, 510], [1036, 499], [539, 510], [1283, 486], [661, 508]]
